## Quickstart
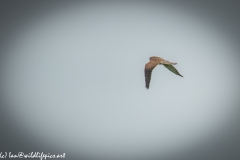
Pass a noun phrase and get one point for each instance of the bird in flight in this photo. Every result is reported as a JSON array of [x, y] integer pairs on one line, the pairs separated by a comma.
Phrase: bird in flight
[[154, 61]]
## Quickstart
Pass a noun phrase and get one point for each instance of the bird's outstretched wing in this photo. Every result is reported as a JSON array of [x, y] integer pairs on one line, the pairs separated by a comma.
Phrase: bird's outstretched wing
[[148, 71], [172, 69]]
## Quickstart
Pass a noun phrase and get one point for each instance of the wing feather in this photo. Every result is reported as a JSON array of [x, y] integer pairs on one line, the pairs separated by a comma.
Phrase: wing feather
[[172, 69], [148, 71]]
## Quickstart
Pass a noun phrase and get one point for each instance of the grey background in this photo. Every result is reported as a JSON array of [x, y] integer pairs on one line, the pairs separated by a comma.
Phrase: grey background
[[72, 79]]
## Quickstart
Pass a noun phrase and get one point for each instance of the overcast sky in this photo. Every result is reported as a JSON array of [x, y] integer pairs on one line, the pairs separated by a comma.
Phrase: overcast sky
[[74, 77]]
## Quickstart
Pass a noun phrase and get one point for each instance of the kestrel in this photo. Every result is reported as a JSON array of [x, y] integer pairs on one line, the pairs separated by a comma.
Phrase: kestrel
[[154, 61]]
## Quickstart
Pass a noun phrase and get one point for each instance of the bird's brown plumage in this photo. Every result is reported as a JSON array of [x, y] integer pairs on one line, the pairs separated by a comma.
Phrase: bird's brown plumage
[[154, 61]]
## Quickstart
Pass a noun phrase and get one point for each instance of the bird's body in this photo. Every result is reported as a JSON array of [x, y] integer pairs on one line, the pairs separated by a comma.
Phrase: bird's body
[[154, 61]]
